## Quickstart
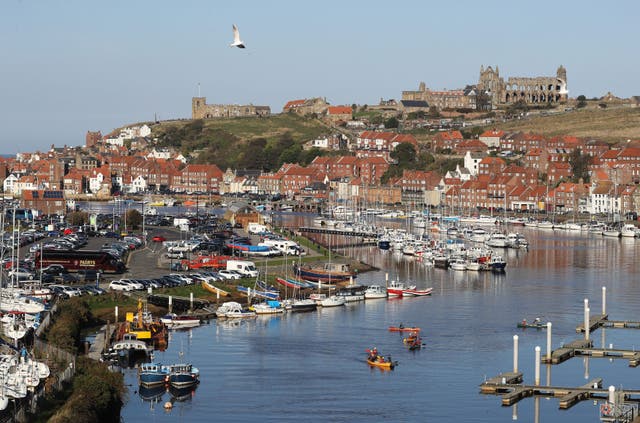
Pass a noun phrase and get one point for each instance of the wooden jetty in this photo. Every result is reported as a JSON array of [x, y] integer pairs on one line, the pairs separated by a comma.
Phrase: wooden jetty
[[566, 351], [177, 303], [595, 321], [567, 396]]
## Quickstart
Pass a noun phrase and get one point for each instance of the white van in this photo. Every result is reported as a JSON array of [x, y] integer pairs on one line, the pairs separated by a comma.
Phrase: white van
[[256, 228], [246, 268]]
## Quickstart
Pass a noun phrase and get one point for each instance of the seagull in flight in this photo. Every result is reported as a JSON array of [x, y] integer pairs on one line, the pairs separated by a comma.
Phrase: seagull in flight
[[236, 38]]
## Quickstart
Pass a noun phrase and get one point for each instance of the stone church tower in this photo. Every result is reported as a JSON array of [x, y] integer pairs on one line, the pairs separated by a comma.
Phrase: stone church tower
[[491, 82]]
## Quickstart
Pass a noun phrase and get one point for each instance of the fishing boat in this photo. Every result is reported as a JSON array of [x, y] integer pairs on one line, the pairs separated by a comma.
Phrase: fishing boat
[[152, 374], [396, 289], [497, 264], [352, 293], [375, 291], [329, 272], [331, 301], [174, 321], [183, 375]]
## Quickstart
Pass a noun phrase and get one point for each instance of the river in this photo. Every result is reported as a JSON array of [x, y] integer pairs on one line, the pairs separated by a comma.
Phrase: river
[[311, 366]]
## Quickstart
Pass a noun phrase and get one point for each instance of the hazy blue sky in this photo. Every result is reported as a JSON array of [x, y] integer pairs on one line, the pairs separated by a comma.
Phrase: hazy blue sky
[[68, 66]]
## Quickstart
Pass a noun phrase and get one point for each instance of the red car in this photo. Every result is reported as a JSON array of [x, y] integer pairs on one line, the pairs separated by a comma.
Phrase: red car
[[158, 238]]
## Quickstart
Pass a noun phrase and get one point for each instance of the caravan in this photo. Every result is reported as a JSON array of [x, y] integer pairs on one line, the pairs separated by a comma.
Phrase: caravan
[[256, 228], [285, 246], [246, 268]]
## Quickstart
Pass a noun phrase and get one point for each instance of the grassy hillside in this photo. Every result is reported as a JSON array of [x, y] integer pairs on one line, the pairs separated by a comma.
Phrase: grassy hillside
[[260, 142], [611, 125]]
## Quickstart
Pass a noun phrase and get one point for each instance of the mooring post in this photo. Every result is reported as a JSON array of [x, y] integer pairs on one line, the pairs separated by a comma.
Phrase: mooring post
[[116, 314], [386, 280], [170, 303], [515, 353], [191, 300], [612, 395], [604, 300], [586, 319], [537, 381], [548, 341]]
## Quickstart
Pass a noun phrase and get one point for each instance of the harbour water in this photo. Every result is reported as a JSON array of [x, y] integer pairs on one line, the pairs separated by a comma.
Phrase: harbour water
[[311, 366]]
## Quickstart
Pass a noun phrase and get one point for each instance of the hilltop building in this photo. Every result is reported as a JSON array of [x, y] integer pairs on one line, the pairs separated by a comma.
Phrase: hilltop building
[[531, 90], [201, 110]]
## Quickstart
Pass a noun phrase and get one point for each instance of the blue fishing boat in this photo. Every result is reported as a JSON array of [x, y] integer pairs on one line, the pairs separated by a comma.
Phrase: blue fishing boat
[[183, 375], [152, 374], [269, 295]]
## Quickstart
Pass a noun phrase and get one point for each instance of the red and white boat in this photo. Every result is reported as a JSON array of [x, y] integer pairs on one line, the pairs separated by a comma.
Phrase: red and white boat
[[417, 292], [397, 289]]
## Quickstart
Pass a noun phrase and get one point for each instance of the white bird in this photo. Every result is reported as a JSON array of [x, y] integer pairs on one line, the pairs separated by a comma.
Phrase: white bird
[[236, 38]]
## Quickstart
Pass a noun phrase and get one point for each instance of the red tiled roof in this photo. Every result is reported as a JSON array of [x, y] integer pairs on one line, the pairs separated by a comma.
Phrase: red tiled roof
[[339, 110]]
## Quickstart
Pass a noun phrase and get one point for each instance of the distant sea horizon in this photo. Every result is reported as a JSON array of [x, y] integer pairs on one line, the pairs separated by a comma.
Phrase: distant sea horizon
[[7, 155]]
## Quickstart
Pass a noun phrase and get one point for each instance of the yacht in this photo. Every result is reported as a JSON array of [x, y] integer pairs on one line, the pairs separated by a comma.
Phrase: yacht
[[497, 240], [375, 291], [628, 230]]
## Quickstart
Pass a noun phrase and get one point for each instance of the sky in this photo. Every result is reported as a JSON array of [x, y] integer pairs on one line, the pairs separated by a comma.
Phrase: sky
[[72, 66]]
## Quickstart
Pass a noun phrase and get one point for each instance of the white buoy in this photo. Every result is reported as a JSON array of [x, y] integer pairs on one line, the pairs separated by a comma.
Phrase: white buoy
[[537, 381], [515, 353], [604, 300], [549, 341]]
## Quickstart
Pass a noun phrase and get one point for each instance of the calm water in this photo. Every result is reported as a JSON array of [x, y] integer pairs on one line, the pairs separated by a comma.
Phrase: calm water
[[310, 366]]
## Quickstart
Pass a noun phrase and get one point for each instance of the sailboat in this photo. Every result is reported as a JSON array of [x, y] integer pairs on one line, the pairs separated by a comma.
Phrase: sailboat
[[271, 305]]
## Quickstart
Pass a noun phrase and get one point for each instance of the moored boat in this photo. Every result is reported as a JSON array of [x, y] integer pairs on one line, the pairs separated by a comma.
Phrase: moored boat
[[375, 291], [403, 329], [413, 292], [183, 375], [330, 272], [152, 374], [174, 321]]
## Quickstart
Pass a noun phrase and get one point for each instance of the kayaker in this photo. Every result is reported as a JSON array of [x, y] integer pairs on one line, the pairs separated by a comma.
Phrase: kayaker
[[524, 322], [401, 326]]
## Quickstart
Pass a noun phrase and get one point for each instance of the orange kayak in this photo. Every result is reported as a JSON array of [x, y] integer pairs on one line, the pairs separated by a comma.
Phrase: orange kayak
[[399, 329], [381, 364]]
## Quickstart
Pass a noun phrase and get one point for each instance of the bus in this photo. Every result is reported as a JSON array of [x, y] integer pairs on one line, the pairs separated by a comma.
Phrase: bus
[[73, 261]]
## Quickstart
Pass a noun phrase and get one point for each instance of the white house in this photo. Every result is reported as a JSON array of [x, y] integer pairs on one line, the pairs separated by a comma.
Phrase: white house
[[9, 184], [95, 182], [471, 160], [138, 184]]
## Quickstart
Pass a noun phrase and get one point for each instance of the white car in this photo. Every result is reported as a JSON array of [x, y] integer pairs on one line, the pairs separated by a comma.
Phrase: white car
[[133, 284], [21, 273], [120, 285], [228, 274]]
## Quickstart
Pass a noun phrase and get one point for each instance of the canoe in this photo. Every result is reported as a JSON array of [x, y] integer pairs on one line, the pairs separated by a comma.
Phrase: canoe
[[389, 365], [214, 289], [399, 329]]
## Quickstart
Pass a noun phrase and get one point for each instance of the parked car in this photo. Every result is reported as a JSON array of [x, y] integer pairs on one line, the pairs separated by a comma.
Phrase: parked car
[[158, 238], [21, 273], [228, 274], [120, 285]]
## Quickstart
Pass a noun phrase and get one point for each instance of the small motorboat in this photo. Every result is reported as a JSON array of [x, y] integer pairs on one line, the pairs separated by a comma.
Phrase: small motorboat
[[536, 324], [403, 329], [183, 375], [153, 374], [413, 292], [174, 321]]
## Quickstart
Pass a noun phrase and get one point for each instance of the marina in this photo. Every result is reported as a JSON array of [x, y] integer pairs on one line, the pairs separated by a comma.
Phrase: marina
[[462, 340]]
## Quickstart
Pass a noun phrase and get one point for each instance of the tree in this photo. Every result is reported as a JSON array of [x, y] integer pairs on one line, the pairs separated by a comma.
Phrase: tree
[[392, 122], [78, 218], [579, 165], [582, 101], [134, 219]]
